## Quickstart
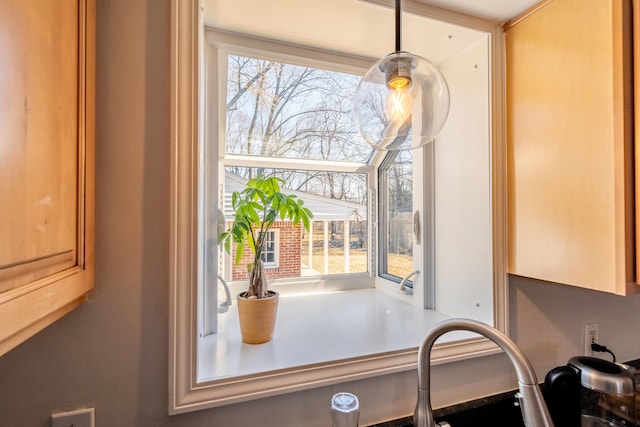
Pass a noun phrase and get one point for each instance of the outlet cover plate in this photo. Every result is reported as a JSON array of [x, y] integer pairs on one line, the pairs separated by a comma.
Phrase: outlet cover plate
[[79, 418]]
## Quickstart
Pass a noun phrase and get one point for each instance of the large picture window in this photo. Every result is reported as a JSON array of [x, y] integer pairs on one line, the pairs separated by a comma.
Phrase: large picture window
[[278, 117], [283, 109], [293, 119]]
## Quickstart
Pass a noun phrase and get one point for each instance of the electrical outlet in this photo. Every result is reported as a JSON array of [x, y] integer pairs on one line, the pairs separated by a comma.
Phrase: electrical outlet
[[590, 337], [79, 418]]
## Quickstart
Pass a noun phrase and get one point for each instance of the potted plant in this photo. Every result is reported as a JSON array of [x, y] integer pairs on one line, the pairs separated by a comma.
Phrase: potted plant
[[256, 208]]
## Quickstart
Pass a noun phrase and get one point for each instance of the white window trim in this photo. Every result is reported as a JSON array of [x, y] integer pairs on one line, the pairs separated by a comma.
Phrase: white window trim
[[185, 393]]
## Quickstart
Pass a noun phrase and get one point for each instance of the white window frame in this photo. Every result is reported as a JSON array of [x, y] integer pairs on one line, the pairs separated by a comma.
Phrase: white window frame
[[422, 203], [185, 392]]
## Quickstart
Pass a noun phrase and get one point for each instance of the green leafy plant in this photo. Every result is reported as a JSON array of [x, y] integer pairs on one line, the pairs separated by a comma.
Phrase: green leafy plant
[[256, 208]]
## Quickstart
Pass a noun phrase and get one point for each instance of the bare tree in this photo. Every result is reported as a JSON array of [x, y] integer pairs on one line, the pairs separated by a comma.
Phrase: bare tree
[[283, 110]]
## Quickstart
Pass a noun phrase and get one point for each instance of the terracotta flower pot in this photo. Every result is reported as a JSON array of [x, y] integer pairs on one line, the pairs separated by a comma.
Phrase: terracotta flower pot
[[257, 317]]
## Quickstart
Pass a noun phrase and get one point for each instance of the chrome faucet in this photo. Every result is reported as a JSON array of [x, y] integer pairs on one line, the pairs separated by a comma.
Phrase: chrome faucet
[[534, 410]]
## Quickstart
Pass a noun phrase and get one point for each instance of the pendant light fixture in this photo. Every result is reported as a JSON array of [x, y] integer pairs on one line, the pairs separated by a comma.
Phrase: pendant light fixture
[[403, 100]]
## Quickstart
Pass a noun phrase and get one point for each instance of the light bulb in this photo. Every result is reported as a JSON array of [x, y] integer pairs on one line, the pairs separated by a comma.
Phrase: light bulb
[[399, 105]]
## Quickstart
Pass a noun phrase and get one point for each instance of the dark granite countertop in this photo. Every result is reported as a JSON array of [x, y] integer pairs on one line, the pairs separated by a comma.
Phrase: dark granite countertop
[[481, 412], [477, 413]]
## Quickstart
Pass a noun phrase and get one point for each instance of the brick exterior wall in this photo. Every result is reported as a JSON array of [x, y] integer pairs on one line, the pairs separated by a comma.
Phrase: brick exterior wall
[[289, 264]]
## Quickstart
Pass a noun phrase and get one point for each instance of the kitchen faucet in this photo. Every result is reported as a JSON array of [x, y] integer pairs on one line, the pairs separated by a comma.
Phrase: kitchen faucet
[[534, 410]]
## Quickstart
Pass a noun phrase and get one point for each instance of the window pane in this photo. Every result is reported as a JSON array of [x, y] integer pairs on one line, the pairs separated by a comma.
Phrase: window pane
[[329, 255], [276, 109], [337, 242], [269, 253], [396, 183]]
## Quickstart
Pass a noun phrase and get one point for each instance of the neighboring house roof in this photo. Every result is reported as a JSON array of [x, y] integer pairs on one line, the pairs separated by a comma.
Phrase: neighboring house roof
[[323, 208]]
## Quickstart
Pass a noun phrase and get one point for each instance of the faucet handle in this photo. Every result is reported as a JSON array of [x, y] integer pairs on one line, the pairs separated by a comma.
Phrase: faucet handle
[[519, 402]]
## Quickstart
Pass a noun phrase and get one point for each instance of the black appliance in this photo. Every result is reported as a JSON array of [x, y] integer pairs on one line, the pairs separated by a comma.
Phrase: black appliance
[[591, 392]]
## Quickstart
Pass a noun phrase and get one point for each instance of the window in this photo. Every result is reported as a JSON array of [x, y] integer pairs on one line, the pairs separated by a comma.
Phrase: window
[[277, 115], [270, 253], [280, 111], [380, 233], [337, 242], [398, 229]]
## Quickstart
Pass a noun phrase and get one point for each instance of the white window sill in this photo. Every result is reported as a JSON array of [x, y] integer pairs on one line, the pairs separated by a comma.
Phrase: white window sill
[[323, 339]]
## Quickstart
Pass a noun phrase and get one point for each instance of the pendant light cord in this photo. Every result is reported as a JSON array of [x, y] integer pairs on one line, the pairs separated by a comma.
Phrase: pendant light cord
[[398, 35]]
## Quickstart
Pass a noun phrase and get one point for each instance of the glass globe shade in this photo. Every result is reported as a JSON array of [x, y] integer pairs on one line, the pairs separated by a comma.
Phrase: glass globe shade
[[401, 103]]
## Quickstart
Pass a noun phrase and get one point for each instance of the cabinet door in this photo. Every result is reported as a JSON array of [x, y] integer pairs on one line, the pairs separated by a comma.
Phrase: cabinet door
[[46, 162], [570, 144]]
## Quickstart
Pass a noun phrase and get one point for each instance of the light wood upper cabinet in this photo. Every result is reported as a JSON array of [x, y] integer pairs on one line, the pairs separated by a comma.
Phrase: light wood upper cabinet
[[570, 139], [47, 102]]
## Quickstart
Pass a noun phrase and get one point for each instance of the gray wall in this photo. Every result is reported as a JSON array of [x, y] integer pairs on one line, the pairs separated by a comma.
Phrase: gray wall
[[111, 353]]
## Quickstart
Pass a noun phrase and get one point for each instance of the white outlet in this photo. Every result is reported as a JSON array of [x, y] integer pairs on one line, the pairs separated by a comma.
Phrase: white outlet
[[80, 418], [590, 337]]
